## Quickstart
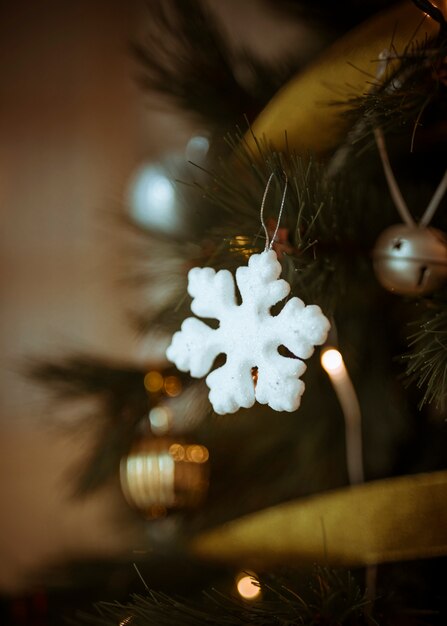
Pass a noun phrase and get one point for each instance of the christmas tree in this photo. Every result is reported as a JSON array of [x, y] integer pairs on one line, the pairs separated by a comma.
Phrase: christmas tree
[[322, 191]]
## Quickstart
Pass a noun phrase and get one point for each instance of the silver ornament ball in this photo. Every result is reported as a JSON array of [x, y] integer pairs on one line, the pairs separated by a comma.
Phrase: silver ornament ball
[[411, 260]]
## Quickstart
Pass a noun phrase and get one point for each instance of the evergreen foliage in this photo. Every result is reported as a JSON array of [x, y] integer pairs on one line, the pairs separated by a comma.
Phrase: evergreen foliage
[[328, 597], [329, 227]]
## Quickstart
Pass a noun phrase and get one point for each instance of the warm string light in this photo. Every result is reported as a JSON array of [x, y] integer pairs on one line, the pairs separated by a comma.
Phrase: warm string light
[[332, 362], [247, 586], [161, 416], [172, 386], [155, 382], [243, 245], [192, 453]]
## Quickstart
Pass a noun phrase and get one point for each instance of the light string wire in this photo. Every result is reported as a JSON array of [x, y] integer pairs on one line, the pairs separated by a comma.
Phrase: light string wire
[[269, 242], [349, 403]]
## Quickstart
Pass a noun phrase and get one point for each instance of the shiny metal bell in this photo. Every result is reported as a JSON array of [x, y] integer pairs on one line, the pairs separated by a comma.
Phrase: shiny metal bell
[[411, 260]]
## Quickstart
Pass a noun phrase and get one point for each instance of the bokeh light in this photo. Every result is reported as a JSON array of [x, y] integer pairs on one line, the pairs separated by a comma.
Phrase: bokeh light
[[173, 386], [153, 381], [197, 454], [160, 418], [192, 453], [177, 451], [197, 149], [247, 586], [152, 200]]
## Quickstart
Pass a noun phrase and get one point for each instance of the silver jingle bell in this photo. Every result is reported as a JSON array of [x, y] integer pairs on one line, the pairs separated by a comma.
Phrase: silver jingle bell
[[411, 260]]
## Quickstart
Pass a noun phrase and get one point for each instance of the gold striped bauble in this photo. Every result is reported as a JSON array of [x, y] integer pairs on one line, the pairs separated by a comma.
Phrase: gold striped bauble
[[162, 473]]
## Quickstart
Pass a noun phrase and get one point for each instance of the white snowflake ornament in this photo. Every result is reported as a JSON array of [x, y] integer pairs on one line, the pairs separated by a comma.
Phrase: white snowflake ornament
[[249, 335]]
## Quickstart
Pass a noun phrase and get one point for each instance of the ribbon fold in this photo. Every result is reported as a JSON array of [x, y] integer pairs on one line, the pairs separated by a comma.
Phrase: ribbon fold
[[304, 107], [389, 520]]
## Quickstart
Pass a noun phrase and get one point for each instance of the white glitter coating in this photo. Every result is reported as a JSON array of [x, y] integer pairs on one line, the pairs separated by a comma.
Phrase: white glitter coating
[[249, 335]]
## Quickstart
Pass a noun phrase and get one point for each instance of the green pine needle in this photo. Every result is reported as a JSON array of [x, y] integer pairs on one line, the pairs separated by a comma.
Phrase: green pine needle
[[326, 597], [427, 358]]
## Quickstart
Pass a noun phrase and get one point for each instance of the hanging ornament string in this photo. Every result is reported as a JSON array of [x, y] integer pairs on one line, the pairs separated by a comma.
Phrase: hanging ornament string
[[340, 156], [434, 202], [396, 194], [269, 244]]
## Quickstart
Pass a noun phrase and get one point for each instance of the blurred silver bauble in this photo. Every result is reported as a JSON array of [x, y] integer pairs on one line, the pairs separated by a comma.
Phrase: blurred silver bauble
[[411, 260], [153, 197]]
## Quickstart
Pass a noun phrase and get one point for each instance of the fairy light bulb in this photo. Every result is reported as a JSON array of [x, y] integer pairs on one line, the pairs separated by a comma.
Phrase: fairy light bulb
[[332, 362], [247, 586]]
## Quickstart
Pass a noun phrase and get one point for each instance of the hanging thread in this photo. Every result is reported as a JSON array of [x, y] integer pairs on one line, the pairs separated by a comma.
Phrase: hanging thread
[[269, 243], [396, 194]]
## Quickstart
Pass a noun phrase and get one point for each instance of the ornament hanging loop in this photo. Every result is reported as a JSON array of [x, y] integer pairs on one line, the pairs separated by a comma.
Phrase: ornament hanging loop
[[395, 192], [269, 242]]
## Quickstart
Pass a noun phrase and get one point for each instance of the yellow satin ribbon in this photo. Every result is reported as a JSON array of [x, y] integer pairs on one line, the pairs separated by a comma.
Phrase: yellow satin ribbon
[[304, 107], [383, 521]]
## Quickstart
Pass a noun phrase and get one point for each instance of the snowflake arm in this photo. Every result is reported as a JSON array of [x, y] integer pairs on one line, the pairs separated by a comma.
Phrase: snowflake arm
[[184, 351], [231, 387], [275, 374], [258, 283], [212, 292], [301, 327]]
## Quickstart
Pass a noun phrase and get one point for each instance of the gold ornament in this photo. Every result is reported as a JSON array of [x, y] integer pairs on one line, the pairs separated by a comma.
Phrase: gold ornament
[[411, 260], [161, 473]]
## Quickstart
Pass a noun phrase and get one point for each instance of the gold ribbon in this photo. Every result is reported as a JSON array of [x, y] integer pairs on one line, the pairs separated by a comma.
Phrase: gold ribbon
[[383, 521], [304, 107]]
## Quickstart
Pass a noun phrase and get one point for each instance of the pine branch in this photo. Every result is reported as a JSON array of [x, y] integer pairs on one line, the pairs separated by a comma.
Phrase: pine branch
[[122, 400], [414, 95], [185, 58], [318, 238], [123, 404], [85, 375], [427, 358], [156, 275], [326, 597], [322, 229]]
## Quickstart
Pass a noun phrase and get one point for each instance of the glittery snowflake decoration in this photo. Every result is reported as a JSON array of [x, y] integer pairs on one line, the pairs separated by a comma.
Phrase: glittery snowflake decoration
[[249, 336]]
